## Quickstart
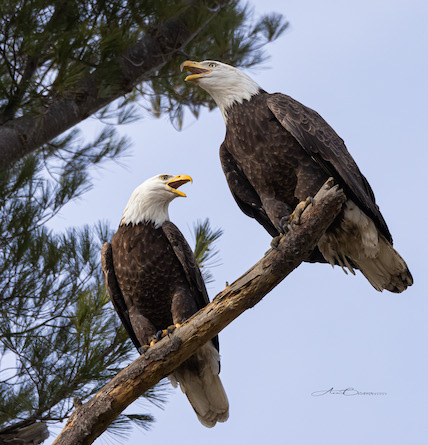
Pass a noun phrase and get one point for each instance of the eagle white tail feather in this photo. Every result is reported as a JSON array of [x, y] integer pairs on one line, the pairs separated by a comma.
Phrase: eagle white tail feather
[[204, 389], [388, 270], [358, 241]]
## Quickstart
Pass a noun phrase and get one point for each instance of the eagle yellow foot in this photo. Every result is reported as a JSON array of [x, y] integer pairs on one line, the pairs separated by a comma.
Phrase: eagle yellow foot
[[169, 330], [143, 349], [163, 333], [287, 224], [158, 336]]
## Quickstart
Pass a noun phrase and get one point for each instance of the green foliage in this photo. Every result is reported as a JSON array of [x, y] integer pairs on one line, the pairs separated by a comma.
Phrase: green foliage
[[59, 333], [204, 250], [120, 425], [156, 396], [60, 338], [234, 36], [48, 47]]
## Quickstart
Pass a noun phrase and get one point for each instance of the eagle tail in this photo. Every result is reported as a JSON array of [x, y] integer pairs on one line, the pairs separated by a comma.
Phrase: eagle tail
[[356, 242], [387, 270], [199, 380]]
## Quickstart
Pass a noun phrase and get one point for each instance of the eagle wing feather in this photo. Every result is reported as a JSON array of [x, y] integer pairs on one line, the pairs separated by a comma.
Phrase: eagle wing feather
[[243, 192], [191, 269], [115, 293], [325, 146]]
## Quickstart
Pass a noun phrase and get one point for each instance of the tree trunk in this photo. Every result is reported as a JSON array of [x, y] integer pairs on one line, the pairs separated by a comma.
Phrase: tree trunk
[[89, 420], [21, 136]]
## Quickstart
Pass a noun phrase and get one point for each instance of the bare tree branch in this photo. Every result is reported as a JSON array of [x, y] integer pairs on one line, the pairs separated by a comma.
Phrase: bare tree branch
[[26, 134], [92, 418]]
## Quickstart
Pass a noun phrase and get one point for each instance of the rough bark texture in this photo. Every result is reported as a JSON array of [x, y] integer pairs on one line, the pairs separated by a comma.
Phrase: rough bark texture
[[21, 136], [92, 418], [32, 434]]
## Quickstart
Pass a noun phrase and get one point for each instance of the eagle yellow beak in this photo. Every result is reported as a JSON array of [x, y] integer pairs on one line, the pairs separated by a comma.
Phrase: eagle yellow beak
[[176, 182], [195, 68]]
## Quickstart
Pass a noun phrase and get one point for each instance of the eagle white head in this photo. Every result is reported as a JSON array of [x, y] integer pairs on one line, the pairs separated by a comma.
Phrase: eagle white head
[[149, 201], [226, 84]]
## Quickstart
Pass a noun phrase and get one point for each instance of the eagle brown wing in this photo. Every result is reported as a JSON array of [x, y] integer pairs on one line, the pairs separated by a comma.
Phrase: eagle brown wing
[[249, 201], [327, 149], [114, 291], [243, 192], [190, 266]]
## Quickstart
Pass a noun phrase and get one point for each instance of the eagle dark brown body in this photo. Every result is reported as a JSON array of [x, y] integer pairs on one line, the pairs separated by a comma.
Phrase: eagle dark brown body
[[281, 173], [143, 257]]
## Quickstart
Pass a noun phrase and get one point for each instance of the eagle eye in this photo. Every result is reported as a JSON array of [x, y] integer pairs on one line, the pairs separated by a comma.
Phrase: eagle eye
[[164, 177], [212, 65]]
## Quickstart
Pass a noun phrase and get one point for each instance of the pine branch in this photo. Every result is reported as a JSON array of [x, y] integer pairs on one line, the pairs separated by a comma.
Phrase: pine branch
[[204, 250], [26, 134], [92, 418], [14, 101]]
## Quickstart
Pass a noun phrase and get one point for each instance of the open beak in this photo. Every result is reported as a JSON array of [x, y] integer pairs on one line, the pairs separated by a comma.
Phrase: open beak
[[178, 181], [196, 70]]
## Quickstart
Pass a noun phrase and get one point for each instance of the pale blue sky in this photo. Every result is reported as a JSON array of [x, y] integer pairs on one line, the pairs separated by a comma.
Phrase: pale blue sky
[[363, 66]]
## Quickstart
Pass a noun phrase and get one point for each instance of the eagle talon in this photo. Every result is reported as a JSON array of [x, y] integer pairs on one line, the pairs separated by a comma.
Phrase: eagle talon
[[284, 224], [143, 349], [169, 330], [275, 242], [159, 335], [294, 218], [280, 227]]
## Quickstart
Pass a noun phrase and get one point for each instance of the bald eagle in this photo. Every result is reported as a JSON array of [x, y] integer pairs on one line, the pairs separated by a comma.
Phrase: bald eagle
[[277, 153], [154, 281]]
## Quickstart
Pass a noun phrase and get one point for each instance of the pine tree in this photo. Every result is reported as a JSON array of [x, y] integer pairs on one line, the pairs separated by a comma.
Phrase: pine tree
[[61, 62]]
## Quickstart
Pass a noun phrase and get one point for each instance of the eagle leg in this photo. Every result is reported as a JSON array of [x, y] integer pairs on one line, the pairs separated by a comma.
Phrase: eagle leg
[[143, 349], [170, 329], [287, 223], [158, 336], [161, 334]]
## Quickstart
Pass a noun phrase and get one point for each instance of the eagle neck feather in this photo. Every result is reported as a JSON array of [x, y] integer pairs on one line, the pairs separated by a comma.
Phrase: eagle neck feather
[[235, 93], [146, 208]]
